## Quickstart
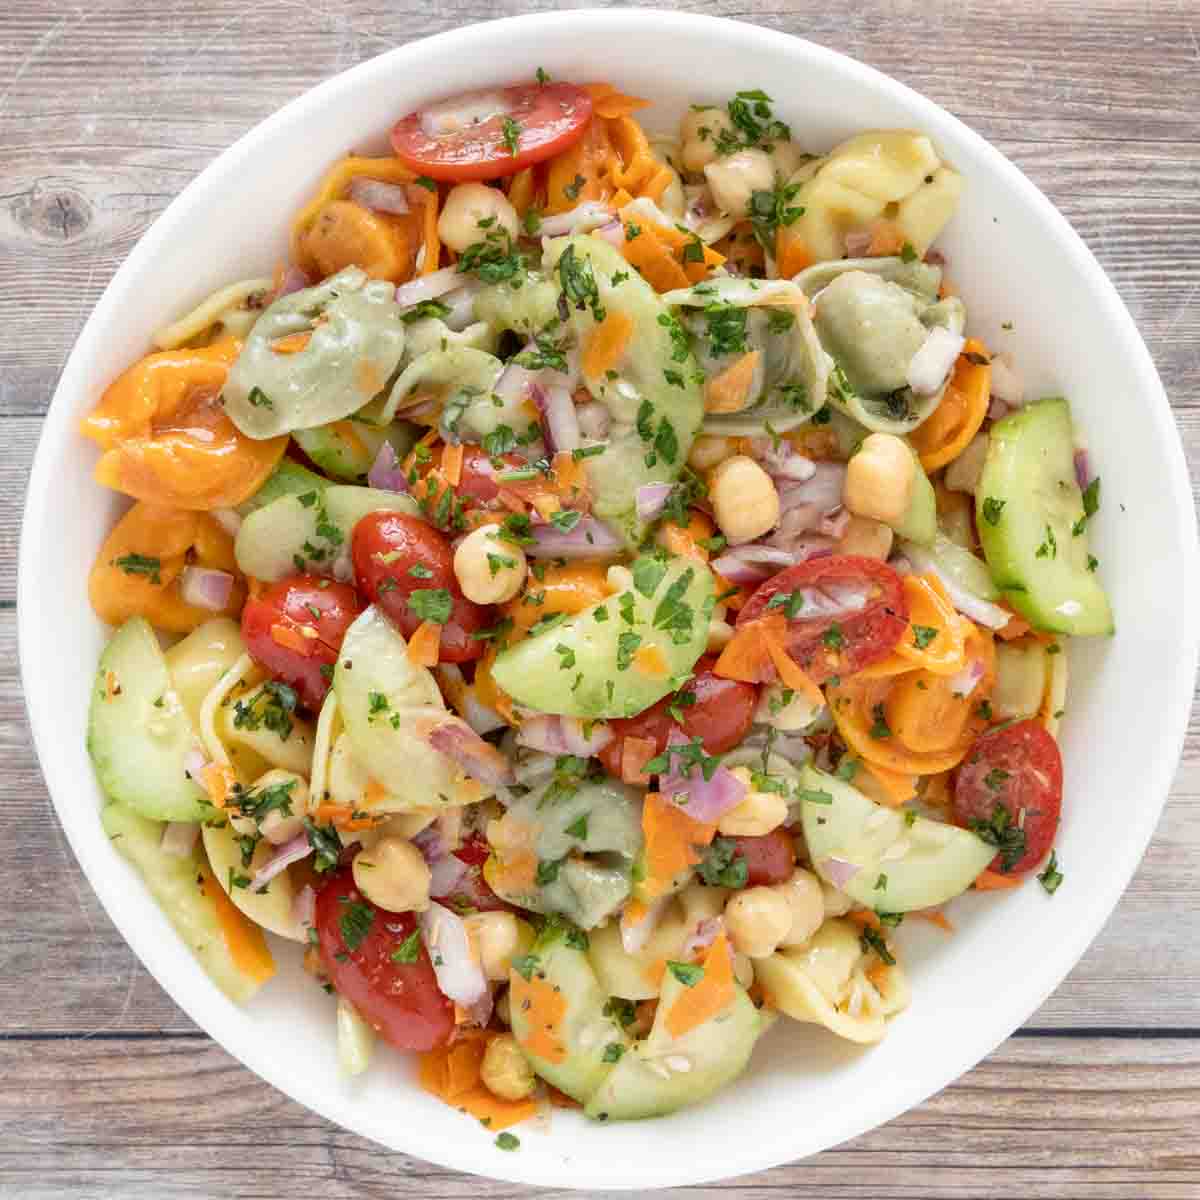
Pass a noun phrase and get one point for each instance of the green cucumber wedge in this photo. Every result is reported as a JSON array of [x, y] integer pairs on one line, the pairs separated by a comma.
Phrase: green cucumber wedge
[[1030, 515]]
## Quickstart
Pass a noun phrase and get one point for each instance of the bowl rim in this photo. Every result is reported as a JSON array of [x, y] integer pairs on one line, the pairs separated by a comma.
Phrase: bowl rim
[[1042, 978]]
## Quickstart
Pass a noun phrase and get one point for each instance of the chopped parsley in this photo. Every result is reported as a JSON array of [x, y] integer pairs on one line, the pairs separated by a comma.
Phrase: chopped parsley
[[497, 563], [1051, 877], [872, 939], [507, 1141], [431, 604], [648, 574], [571, 190], [140, 564], [1091, 505], [271, 707], [355, 923], [424, 181], [612, 1052], [879, 729], [327, 846], [578, 283], [627, 645], [753, 122], [992, 508], [722, 866], [814, 795], [1000, 832], [907, 253], [547, 352], [1048, 548], [689, 974], [547, 870], [409, 950], [258, 802], [923, 635], [566, 656], [565, 519], [494, 260], [833, 637], [771, 209], [725, 327], [424, 309], [790, 602], [259, 399], [578, 828], [511, 135]]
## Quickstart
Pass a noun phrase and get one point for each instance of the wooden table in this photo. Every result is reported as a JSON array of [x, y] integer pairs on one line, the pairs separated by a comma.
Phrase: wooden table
[[106, 110]]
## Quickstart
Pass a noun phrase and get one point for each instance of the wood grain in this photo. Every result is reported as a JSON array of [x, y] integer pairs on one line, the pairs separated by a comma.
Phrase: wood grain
[[106, 111]]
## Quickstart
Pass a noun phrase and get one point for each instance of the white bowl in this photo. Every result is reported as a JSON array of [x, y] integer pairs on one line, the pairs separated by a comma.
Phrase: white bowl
[[1014, 258]]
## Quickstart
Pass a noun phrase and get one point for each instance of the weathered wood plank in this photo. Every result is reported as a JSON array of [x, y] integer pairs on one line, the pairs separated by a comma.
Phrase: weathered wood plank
[[1021, 1123]]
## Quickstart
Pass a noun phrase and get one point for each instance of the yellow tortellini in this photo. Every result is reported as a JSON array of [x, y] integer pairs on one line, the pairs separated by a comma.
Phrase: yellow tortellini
[[830, 981], [895, 175], [258, 732]]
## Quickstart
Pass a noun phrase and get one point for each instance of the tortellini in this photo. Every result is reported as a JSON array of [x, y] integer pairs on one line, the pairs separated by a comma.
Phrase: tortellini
[[873, 316], [232, 309], [355, 340], [258, 732], [731, 319], [585, 837], [833, 981], [894, 175]]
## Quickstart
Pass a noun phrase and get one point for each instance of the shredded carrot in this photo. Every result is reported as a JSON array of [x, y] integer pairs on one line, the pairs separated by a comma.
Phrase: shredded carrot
[[607, 343], [864, 918], [545, 1009], [709, 996], [425, 645], [935, 917], [1017, 627], [943, 653], [650, 255], [111, 686], [653, 972], [657, 184], [956, 420], [291, 639], [745, 656], [342, 816], [243, 939], [631, 162], [894, 787], [791, 254], [672, 838], [218, 782], [567, 589], [729, 391], [429, 233], [580, 173], [293, 343], [650, 660], [452, 1074], [522, 191], [790, 671], [636, 752], [452, 464], [374, 793], [609, 103], [877, 975], [686, 540], [993, 881]]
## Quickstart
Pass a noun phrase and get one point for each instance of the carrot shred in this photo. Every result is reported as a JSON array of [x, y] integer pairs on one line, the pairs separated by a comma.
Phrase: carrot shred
[[452, 1074], [658, 183], [425, 645], [292, 343], [729, 391], [291, 639], [934, 917], [218, 782], [745, 656], [956, 420], [1017, 627], [710, 995], [658, 266], [650, 660], [636, 752], [895, 786], [791, 254], [607, 343], [609, 103], [545, 1009], [243, 939], [864, 918], [790, 671], [342, 816], [452, 464], [672, 838], [993, 881]]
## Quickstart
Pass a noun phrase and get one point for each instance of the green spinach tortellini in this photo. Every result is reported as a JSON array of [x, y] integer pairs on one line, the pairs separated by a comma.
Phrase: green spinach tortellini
[[355, 341]]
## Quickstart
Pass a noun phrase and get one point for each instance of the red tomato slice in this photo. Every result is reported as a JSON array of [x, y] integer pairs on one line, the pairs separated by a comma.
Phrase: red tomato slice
[[721, 717], [279, 625], [1020, 768], [396, 555], [399, 999], [853, 613], [464, 137], [769, 859]]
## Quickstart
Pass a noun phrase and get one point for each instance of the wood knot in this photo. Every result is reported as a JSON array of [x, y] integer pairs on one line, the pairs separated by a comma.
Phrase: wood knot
[[53, 214]]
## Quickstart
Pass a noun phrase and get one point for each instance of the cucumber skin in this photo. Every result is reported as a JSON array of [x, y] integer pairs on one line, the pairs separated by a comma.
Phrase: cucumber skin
[[172, 883], [1033, 443]]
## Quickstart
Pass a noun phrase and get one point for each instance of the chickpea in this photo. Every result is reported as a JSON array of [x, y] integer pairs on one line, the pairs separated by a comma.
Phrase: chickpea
[[489, 570], [863, 536], [744, 499], [758, 813], [709, 451], [734, 180], [962, 475], [276, 826], [789, 713], [699, 132], [786, 157], [880, 479], [806, 904], [466, 206], [757, 920], [393, 875], [498, 937], [505, 1070]]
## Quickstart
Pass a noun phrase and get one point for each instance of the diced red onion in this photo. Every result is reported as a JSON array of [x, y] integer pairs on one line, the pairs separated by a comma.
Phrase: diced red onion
[[934, 360], [194, 762], [834, 524], [1006, 382], [635, 934], [379, 196], [701, 937], [299, 847], [205, 588], [838, 871], [431, 844], [782, 460], [858, 242], [650, 499], [386, 474], [612, 233], [591, 214], [229, 520], [560, 423], [963, 683], [997, 409], [822, 489], [445, 875], [480, 1013], [564, 735], [1083, 469], [756, 552], [428, 287], [179, 838], [479, 759], [304, 906], [459, 974], [594, 420], [294, 280], [736, 569], [591, 538], [981, 611], [935, 258], [705, 800]]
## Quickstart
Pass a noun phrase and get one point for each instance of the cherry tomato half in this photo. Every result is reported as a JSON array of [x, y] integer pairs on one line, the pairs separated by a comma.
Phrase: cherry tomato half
[[1019, 768], [465, 137], [396, 555], [477, 481], [851, 612], [357, 941], [769, 858], [720, 714], [278, 627]]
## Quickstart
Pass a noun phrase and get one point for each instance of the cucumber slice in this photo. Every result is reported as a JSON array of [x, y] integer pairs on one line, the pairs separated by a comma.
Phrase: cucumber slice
[[346, 449], [956, 562], [172, 882], [663, 1074], [919, 523], [309, 531], [139, 732], [1031, 522], [918, 865], [374, 662], [288, 479], [559, 959], [668, 607], [633, 976], [271, 908]]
